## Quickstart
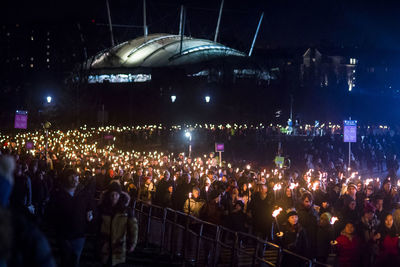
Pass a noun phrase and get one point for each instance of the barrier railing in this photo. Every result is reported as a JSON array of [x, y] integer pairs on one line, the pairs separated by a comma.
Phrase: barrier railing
[[201, 243]]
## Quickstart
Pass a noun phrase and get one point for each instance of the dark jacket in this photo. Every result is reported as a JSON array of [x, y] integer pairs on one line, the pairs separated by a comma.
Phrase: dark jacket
[[325, 235], [211, 212], [68, 214], [161, 192], [21, 242], [309, 219], [261, 212], [294, 238], [236, 221], [180, 195]]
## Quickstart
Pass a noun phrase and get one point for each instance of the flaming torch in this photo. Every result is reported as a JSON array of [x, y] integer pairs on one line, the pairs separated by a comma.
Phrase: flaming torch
[[275, 214]]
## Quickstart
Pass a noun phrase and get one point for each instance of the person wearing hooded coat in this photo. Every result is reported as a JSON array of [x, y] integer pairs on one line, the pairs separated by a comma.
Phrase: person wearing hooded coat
[[118, 231]]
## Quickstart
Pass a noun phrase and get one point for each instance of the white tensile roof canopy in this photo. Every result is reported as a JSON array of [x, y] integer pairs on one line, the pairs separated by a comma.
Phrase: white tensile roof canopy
[[161, 50]]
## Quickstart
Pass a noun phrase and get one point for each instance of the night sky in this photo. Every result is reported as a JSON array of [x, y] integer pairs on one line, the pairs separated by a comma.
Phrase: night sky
[[286, 23]]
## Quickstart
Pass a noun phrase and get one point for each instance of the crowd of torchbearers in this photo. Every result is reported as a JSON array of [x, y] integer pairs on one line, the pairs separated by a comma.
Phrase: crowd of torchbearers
[[73, 182]]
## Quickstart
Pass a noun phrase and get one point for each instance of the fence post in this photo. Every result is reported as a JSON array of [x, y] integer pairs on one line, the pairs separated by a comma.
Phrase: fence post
[[216, 243], [173, 247], [199, 243], [235, 244], [148, 226], [256, 252], [280, 256], [185, 237], [164, 220]]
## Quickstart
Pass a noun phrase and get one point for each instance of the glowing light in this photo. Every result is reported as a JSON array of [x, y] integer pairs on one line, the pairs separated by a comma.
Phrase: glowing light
[[277, 187], [173, 98], [49, 98], [276, 212], [207, 99], [334, 219], [293, 185]]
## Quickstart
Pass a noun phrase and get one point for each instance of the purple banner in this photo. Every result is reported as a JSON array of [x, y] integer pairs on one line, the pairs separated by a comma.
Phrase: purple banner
[[21, 119], [108, 137], [219, 147], [29, 145]]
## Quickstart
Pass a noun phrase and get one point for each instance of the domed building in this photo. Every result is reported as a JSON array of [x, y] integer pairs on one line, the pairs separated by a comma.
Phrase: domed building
[[160, 70]]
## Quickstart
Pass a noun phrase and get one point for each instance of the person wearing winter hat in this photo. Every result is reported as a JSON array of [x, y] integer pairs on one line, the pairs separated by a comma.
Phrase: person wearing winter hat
[[348, 212], [21, 242], [118, 227], [352, 190], [389, 194], [293, 237]]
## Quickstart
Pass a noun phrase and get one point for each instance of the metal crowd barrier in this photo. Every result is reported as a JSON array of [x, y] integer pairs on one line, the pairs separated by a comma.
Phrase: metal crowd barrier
[[201, 243]]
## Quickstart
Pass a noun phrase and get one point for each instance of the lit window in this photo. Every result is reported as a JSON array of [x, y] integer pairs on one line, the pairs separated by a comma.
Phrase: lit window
[[22, 65], [31, 65], [47, 53], [31, 38], [31, 58], [48, 46], [47, 60]]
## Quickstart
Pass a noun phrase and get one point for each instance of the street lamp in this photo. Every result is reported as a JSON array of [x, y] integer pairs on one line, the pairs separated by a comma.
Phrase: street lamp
[[48, 98], [189, 136], [207, 98]]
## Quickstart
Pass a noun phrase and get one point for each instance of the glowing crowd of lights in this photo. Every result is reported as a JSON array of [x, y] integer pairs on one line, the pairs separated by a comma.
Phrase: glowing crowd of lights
[[81, 150]]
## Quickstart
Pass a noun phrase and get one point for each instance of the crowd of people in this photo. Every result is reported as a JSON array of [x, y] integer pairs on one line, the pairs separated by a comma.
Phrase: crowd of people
[[68, 182]]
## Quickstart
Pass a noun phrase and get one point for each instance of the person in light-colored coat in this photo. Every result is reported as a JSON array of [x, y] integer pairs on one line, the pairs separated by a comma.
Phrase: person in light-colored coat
[[118, 227]]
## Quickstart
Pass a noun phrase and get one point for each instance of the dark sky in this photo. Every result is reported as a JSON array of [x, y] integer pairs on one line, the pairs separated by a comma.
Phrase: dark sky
[[286, 22]]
